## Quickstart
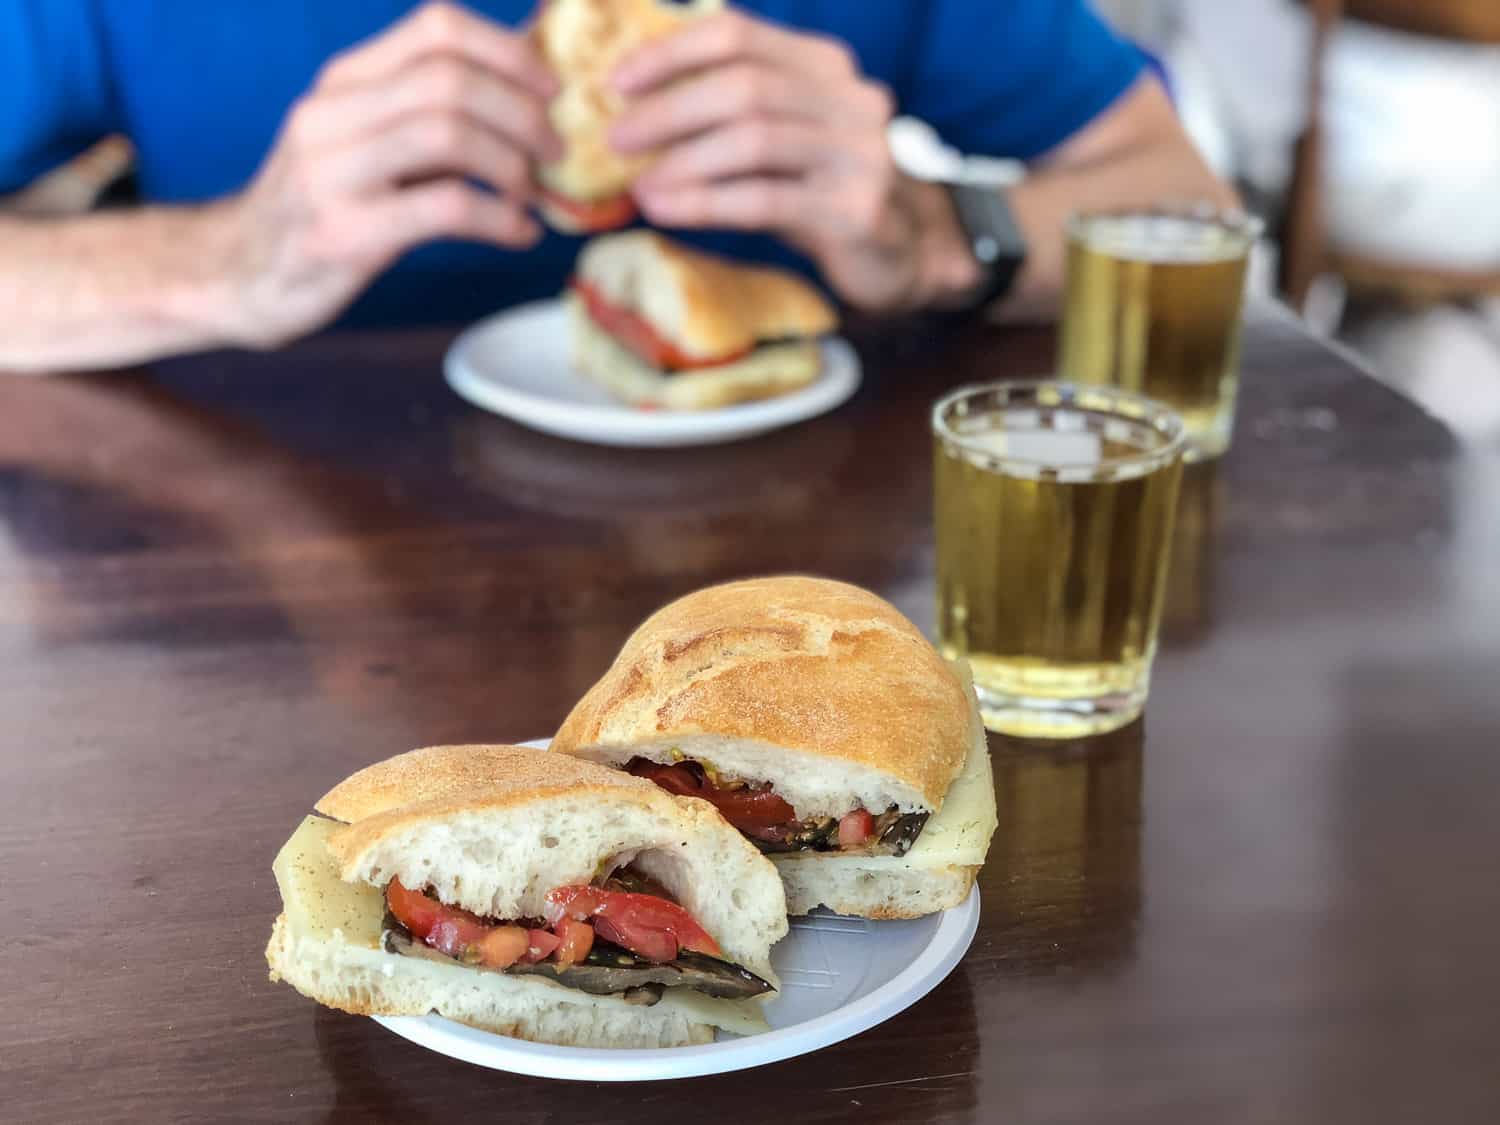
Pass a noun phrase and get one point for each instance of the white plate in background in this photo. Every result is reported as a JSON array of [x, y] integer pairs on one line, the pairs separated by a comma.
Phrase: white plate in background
[[839, 976], [516, 363]]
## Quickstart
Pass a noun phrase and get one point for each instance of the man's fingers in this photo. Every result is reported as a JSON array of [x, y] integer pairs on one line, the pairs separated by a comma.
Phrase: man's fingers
[[442, 28], [437, 142], [398, 221], [724, 38], [750, 203], [432, 84], [727, 94], [754, 145]]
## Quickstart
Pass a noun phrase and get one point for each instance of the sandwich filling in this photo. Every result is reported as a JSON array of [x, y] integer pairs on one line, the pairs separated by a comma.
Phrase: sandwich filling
[[622, 935], [637, 334], [772, 824], [592, 214]]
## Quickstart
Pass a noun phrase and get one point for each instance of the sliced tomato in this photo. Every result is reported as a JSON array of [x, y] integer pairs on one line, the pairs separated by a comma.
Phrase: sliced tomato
[[501, 947], [446, 928], [591, 215], [636, 333], [653, 945], [676, 779], [650, 927], [856, 828], [752, 809], [748, 809], [575, 939], [540, 944]]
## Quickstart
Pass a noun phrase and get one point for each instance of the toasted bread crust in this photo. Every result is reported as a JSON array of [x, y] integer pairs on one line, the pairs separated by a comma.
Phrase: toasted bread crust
[[707, 305], [803, 663], [455, 778]]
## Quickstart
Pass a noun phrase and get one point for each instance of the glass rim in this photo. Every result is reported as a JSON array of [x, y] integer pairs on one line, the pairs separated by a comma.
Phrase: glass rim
[[1236, 222], [1140, 409]]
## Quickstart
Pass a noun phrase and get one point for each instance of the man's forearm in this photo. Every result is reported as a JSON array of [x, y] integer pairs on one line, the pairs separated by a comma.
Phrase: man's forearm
[[1136, 155], [1042, 203], [115, 288]]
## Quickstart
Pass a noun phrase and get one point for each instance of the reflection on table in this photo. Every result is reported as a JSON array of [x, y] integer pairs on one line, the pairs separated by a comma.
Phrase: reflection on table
[[1187, 615], [1069, 843]]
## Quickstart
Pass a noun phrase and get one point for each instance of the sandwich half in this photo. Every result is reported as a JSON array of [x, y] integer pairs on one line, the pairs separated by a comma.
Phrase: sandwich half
[[820, 723], [660, 325], [583, 40], [527, 894]]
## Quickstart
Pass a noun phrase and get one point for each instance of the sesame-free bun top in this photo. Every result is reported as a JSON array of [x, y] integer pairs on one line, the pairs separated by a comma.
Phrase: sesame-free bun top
[[494, 828], [819, 687], [583, 40], [707, 305]]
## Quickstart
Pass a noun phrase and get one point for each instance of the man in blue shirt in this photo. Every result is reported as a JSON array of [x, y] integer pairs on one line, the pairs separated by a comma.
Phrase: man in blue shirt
[[299, 157]]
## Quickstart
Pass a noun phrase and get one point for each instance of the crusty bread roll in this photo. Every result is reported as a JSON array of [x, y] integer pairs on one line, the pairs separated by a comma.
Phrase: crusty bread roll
[[492, 829], [583, 40], [826, 692], [821, 685], [706, 305], [770, 370]]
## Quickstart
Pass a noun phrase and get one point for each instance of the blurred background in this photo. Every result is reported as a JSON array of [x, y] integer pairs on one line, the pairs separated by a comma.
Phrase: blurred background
[[1367, 134]]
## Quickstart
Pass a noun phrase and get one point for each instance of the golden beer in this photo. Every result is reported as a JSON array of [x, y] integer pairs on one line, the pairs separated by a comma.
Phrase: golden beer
[[1153, 306], [1054, 509]]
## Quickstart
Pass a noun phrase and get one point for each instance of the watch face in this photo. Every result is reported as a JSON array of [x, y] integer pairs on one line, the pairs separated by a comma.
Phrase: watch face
[[994, 239], [986, 218]]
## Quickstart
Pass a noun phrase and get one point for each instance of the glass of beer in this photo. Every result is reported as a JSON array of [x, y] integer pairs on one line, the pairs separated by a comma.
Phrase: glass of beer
[[1153, 306], [1054, 526]]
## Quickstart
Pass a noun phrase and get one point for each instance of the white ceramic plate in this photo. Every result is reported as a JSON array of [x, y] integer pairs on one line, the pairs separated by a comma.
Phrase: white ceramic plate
[[516, 364], [839, 976]]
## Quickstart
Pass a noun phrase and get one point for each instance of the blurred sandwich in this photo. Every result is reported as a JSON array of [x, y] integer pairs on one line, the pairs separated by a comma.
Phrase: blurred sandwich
[[583, 40], [530, 895], [821, 724], [660, 325]]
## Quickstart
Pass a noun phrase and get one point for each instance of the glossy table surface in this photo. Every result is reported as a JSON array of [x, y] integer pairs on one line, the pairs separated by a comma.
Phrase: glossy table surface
[[229, 581]]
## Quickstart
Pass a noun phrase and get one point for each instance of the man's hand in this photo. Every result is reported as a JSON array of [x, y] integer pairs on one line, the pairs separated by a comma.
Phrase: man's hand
[[762, 128], [384, 154]]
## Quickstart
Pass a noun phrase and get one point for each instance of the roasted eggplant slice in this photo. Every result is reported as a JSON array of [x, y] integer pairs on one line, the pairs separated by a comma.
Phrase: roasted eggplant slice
[[895, 833], [610, 969], [898, 837]]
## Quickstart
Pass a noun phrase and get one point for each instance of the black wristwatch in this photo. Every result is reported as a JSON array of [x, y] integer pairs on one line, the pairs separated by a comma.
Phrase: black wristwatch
[[994, 239]]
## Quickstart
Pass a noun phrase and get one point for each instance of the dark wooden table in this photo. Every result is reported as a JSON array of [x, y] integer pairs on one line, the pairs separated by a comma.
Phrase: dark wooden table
[[227, 582]]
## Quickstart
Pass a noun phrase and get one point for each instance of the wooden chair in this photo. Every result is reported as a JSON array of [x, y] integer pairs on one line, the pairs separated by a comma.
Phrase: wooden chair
[[1305, 250]]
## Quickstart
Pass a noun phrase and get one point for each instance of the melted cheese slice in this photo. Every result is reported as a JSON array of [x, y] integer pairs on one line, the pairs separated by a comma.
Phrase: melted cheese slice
[[322, 907]]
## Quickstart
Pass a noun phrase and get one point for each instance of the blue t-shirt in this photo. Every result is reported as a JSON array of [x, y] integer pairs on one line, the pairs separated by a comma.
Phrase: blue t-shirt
[[200, 87]]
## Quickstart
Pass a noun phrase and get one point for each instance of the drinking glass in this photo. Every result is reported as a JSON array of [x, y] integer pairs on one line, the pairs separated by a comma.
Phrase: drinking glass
[[1153, 305], [1054, 510]]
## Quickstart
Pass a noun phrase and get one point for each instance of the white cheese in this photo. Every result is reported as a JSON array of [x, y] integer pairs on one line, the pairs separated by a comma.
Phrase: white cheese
[[318, 903], [960, 832]]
